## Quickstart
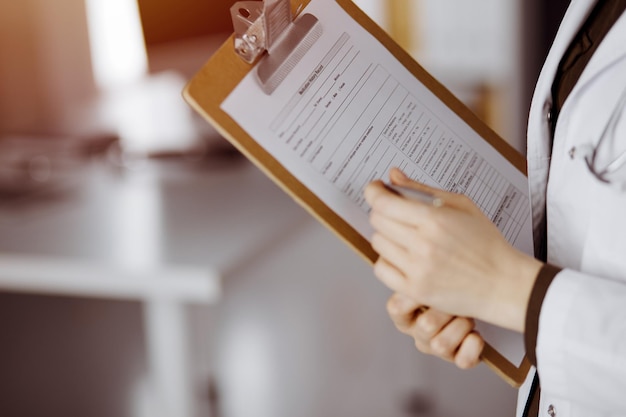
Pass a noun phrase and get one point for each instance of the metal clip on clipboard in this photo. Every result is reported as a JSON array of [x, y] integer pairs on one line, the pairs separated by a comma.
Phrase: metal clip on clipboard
[[268, 25]]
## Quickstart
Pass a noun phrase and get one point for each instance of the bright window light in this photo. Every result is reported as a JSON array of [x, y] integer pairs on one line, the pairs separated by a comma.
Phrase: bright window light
[[118, 51]]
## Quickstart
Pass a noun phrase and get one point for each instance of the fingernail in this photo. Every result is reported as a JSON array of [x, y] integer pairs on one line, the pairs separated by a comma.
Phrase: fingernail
[[398, 177], [400, 174]]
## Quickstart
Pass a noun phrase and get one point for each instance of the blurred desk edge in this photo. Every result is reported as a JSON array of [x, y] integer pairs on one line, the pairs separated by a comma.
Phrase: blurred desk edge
[[47, 275]]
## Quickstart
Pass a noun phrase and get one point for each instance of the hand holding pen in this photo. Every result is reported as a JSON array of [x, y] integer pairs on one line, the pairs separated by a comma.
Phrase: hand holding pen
[[439, 250]]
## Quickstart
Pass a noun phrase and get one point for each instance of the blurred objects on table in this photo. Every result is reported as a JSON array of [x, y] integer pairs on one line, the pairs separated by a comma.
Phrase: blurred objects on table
[[35, 162]]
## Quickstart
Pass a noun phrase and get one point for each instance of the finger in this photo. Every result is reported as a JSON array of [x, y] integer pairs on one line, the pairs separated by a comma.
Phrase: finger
[[399, 233], [424, 347], [468, 355], [403, 311], [375, 190], [449, 339], [391, 251], [450, 199], [389, 275], [396, 207], [398, 177], [430, 323]]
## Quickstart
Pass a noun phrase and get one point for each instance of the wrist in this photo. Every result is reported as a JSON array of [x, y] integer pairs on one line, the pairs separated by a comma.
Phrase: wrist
[[513, 291]]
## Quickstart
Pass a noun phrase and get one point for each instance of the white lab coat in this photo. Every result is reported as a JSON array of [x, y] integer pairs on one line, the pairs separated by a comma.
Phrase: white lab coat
[[581, 345]]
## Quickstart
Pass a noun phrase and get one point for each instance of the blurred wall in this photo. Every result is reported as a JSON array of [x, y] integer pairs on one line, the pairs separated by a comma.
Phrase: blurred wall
[[46, 65], [174, 20], [182, 35]]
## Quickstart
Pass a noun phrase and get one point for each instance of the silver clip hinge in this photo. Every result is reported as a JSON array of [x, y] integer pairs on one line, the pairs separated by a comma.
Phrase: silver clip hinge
[[269, 25], [258, 24]]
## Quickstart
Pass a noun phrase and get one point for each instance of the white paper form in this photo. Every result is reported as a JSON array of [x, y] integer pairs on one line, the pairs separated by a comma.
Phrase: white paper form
[[349, 111]]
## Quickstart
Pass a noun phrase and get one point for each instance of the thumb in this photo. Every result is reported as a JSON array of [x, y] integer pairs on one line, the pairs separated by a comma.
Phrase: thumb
[[403, 311]]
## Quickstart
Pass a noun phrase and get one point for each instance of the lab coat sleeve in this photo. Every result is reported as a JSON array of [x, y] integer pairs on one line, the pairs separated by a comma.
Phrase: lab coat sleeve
[[581, 343]]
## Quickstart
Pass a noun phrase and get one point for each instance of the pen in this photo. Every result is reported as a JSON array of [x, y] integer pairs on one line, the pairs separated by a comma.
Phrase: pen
[[413, 194]]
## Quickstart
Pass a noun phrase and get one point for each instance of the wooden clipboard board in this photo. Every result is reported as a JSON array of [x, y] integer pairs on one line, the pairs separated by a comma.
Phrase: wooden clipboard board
[[225, 70]]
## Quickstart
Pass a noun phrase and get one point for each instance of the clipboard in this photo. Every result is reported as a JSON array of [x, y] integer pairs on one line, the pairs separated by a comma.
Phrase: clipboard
[[226, 69]]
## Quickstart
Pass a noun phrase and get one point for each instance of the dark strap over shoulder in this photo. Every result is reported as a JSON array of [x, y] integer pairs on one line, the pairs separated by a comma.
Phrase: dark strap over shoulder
[[579, 53]]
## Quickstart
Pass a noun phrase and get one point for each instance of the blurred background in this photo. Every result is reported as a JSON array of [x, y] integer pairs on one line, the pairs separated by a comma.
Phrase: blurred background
[[147, 269]]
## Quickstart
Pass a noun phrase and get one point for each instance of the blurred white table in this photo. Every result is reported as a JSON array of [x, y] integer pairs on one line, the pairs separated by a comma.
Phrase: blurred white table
[[160, 233]]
